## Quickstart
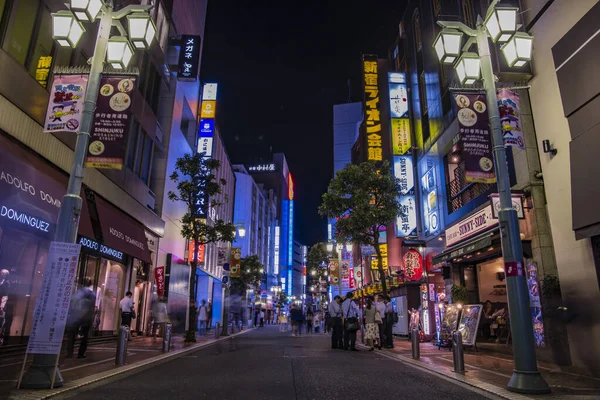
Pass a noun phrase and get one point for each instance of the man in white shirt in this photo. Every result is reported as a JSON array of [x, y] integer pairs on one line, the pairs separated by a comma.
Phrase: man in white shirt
[[350, 314], [380, 306], [127, 311], [202, 318], [335, 313]]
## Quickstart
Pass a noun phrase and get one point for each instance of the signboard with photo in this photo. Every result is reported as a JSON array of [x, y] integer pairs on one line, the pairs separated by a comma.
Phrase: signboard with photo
[[65, 105], [510, 117], [108, 138], [475, 137], [535, 305], [449, 321], [469, 323]]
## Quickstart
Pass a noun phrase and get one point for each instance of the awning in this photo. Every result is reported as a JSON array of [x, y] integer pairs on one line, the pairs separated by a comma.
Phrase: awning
[[477, 243], [122, 232]]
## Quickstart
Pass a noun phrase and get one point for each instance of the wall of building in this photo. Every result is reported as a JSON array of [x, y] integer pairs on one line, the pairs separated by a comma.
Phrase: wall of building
[[574, 258]]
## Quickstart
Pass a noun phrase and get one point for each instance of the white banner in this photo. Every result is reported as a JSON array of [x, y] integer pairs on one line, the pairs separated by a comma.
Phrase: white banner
[[470, 226], [52, 306], [65, 106]]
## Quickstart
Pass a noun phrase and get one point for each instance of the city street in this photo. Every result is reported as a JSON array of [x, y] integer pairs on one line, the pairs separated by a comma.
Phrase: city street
[[266, 364]]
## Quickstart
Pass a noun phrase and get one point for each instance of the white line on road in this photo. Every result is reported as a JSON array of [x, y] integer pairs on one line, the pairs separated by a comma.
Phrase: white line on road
[[479, 368]]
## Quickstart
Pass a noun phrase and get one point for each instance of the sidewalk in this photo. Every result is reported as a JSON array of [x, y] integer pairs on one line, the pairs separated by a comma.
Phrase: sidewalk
[[99, 364], [492, 371]]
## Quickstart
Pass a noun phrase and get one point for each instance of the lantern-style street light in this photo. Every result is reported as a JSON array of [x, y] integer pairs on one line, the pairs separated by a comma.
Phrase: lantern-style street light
[[500, 24], [141, 30], [447, 45], [67, 30]]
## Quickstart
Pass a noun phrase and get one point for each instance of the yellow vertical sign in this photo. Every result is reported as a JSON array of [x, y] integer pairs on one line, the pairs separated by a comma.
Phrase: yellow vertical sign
[[372, 113], [401, 141]]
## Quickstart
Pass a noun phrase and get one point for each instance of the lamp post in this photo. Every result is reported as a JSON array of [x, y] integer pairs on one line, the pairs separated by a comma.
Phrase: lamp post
[[500, 25], [241, 232], [67, 29]]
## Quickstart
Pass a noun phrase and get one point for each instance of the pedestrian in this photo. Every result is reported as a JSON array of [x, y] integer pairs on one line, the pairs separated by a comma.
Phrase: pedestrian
[[389, 323], [261, 317], [335, 315], [202, 318], [328, 322], [317, 322], [282, 322], [380, 305], [209, 316], [296, 317], [127, 313], [351, 323], [81, 317], [371, 329], [161, 317], [309, 322]]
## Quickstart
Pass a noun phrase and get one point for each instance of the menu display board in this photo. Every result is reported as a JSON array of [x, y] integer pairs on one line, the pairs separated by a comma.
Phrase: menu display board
[[449, 321], [469, 323]]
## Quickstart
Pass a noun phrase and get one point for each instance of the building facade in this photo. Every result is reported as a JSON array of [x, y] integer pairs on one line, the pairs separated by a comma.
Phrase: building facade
[[563, 94]]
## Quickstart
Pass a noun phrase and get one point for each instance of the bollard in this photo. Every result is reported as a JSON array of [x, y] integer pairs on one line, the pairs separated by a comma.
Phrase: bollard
[[457, 352], [217, 330], [416, 345], [166, 347], [121, 357]]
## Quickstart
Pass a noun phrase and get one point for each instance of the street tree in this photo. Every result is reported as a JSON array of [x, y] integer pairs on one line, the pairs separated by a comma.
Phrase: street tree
[[250, 275], [198, 188], [317, 255], [364, 200]]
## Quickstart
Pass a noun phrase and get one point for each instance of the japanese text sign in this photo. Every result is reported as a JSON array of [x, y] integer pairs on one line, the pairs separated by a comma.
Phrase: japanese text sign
[[406, 221], [401, 140], [413, 265], [189, 55], [159, 277], [65, 105], [372, 117]]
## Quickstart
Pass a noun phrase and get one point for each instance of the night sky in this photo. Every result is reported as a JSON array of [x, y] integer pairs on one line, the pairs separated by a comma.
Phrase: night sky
[[281, 66]]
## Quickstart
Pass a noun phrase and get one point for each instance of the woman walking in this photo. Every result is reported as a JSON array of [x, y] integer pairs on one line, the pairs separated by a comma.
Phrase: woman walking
[[371, 330], [309, 322]]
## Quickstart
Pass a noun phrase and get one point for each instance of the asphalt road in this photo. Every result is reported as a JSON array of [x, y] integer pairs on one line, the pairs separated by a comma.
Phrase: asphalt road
[[265, 364]]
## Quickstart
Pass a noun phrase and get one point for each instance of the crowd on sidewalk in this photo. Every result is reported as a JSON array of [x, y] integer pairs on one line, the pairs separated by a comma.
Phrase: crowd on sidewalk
[[344, 320]]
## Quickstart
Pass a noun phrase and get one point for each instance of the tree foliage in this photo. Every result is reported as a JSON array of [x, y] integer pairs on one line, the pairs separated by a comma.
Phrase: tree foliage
[[197, 183], [364, 200], [316, 273], [250, 275]]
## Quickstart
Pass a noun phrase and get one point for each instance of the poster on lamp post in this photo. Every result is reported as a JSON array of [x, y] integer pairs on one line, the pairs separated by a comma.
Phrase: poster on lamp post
[[52, 305], [65, 105], [475, 139], [106, 148], [509, 106]]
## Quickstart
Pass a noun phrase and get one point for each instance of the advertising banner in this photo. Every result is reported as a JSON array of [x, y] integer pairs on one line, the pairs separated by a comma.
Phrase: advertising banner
[[221, 256], [401, 141], [535, 305], [469, 323], [510, 118], [111, 123], [52, 307], [236, 262], [65, 104], [333, 273], [159, 278], [475, 137]]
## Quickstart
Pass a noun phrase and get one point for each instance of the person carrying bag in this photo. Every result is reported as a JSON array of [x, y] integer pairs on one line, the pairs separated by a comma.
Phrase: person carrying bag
[[351, 323]]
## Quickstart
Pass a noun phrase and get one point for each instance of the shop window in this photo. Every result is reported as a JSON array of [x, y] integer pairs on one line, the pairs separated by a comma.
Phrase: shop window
[[146, 159], [110, 286], [41, 56], [138, 153], [131, 143], [21, 28]]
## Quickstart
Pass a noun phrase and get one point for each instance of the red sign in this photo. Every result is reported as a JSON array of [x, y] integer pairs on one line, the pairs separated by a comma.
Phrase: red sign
[[159, 276], [413, 265], [191, 252], [514, 269], [352, 281]]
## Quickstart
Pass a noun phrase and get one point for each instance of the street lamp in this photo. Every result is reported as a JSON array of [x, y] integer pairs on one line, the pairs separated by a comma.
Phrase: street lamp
[[348, 247], [86, 10], [447, 45], [141, 30], [329, 247], [468, 68], [501, 23], [500, 26], [517, 51], [66, 29], [119, 52]]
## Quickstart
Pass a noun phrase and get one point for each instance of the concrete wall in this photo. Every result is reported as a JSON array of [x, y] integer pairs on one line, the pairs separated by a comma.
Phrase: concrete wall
[[574, 259]]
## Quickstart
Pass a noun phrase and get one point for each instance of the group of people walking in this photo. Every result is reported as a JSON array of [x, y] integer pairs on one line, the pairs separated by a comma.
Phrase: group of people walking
[[298, 320], [345, 321]]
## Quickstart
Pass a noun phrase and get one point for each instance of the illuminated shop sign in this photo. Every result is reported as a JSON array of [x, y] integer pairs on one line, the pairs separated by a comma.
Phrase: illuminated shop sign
[[397, 77], [209, 91], [430, 201], [406, 222], [100, 248], [290, 282], [398, 100], [189, 57], [276, 251], [404, 172], [372, 115], [291, 234], [290, 187], [262, 168]]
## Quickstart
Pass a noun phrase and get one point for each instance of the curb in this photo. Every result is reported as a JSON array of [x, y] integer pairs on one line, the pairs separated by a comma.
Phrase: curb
[[455, 377], [115, 373]]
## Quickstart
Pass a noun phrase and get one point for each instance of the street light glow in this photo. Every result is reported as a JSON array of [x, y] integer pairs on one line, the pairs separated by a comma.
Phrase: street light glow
[[447, 45], [119, 52], [348, 247], [467, 68], [517, 51], [66, 29], [330, 247], [502, 23], [86, 10], [141, 30], [242, 231]]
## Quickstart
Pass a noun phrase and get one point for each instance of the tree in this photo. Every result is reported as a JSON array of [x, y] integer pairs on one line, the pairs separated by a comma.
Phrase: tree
[[316, 256], [197, 188], [250, 275], [364, 200]]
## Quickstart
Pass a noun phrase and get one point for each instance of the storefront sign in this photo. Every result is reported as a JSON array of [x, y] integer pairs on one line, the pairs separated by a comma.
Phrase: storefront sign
[[208, 109], [206, 132], [406, 222], [101, 249], [52, 306], [517, 204], [159, 278], [209, 91], [510, 118], [262, 168], [111, 123], [236, 262], [372, 116], [470, 226], [398, 99], [66, 103], [404, 172], [429, 197], [42, 72], [475, 137], [189, 55], [201, 252], [401, 139], [413, 265]]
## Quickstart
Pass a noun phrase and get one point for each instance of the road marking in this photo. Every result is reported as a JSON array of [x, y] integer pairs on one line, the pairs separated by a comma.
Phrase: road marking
[[87, 365], [8, 365], [481, 369]]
